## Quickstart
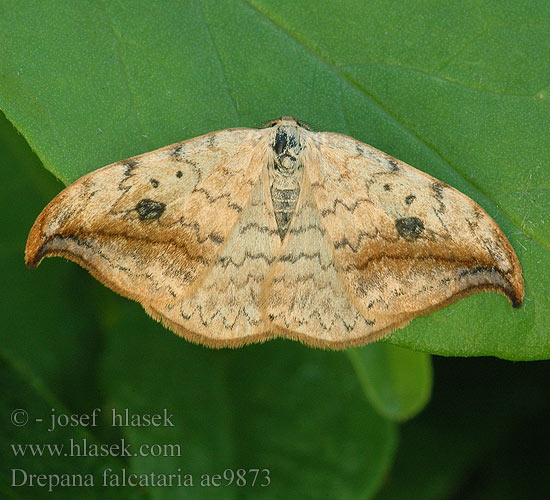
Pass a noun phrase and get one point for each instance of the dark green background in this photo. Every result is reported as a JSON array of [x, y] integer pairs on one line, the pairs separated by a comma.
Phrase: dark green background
[[458, 89]]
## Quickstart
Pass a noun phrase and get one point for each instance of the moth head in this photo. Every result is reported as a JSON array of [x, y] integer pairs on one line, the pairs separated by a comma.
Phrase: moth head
[[287, 142], [289, 120]]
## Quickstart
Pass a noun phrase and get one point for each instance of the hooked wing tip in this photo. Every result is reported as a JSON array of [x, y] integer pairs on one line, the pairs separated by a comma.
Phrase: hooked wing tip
[[516, 291], [35, 248], [37, 242], [517, 295]]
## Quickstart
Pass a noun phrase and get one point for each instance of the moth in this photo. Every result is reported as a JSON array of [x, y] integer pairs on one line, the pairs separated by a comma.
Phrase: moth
[[243, 235]]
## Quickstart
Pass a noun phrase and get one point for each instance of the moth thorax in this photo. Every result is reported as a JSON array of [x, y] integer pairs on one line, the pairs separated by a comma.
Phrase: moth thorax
[[287, 144]]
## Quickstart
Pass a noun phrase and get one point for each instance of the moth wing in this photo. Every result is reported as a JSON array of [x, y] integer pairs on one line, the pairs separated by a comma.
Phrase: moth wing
[[303, 297], [403, 242], [225, 308], [151, 226]]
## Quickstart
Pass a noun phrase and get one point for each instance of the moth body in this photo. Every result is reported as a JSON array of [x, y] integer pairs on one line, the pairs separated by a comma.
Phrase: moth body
[[285, 171]]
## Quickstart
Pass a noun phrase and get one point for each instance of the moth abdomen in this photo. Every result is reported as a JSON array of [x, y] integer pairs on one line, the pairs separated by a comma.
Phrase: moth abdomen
[[284, 203]]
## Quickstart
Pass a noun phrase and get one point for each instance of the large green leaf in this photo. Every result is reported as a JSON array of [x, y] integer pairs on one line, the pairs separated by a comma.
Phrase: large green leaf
[[456, 89], [49, 323]]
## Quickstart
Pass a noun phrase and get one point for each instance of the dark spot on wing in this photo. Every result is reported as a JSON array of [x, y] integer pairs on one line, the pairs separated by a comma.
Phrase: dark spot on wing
[[387, 187], [409, 199], [130, 163], [176, 153], [129, 166], [409, 227], [154, 183], [393, 165], [149, 209], [438, 188], [179, 173]]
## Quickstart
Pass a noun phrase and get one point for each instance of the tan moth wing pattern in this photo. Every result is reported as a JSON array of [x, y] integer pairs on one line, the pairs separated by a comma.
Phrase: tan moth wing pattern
[[243, 235], [149, 226], [227, 300], [403, 242]]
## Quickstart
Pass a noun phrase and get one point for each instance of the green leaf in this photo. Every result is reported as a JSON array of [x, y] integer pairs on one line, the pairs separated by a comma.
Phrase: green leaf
[[33, 444], [397, 381], [48, 320], [455, 89], [296, 411]]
